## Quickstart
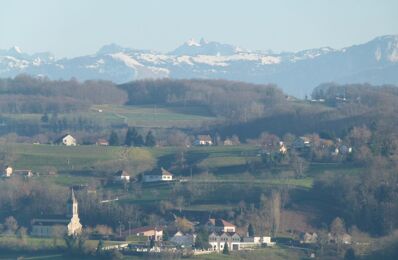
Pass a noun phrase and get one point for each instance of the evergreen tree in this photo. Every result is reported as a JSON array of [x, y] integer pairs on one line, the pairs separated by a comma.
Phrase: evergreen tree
[[165, 235], [202, 239], [133, 138], [113, 139], [138, 140], [100, 246], [150, 139], [250, 230], [130, 135], [151, 243], [350, 254], [225, 251], [45, 118]]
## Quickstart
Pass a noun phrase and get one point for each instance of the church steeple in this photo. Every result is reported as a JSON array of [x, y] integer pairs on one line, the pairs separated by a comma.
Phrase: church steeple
[[72, 205]]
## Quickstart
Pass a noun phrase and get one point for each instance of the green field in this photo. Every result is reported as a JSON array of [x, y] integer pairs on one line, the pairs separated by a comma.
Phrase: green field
[[138, 116], [72, 163], [71, 159]]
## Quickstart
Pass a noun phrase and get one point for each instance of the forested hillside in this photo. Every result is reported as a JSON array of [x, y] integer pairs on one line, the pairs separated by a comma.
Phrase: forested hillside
[[233, 100], [25, 94]]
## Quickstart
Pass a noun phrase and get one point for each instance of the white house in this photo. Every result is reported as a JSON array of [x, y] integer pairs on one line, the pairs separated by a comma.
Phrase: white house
[[203, 140], [309, 238], [220, 225], [158, 175], [235, 242], [122, 176], [217, 241], [282, 148], [67, 140], [8, 171], [183, 240]]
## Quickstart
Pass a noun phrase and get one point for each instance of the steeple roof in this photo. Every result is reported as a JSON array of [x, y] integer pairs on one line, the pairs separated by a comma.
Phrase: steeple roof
[[72, 198]]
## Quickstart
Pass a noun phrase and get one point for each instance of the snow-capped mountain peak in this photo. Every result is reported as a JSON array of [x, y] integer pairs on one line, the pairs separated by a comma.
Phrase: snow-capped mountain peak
[[297, 73], [110, 49], [192, 42], [16, 49]]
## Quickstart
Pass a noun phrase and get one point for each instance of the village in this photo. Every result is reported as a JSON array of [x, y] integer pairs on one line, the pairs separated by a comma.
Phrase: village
[[215, 235]]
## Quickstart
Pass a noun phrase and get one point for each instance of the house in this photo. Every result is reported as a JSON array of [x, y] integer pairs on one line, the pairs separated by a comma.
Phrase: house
[[344, 149], [8, 171], [122, 176], [256, 241], [301, 142], [60, 224], [183, 240], [102, 142], [220, 225], [309, 238], [25, 173], [158, 175], [228, 142], [282, 148], [67, 140], [340, 238], [217, 241], [236, 242], [154, 233], [203, 140]]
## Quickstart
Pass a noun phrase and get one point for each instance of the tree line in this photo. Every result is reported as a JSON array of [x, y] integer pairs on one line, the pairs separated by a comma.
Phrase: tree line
[[233, 100], [26, 94]]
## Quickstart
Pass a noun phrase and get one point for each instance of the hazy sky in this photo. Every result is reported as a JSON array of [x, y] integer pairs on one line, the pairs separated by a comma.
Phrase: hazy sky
[[76, 27]]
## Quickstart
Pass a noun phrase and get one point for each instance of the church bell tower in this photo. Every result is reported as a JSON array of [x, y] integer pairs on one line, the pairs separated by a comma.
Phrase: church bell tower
[[72, 206]]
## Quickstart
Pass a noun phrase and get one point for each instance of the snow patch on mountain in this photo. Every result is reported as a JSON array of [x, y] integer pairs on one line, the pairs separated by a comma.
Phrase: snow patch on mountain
[[192, 42], [142, 72]]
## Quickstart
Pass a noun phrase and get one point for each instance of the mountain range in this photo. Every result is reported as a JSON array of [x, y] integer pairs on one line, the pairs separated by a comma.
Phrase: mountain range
[[297, 73]]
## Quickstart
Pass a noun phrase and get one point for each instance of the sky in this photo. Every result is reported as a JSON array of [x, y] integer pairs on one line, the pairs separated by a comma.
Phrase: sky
[[69, 28]]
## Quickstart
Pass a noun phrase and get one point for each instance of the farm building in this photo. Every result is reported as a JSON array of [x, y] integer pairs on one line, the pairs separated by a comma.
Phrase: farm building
[[203, 140], [122, 176], [8, 171], [155, 233], [158, 175], [67, 140]]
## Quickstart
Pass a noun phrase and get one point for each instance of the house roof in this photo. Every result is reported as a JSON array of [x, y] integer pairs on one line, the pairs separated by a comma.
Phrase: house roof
[[204, 137], [122, 173], [102, 141], [62, 137], [72, 198], [305, 139], [219, 222], [224, 233], [159, 171], [145, 229], [51, 220]]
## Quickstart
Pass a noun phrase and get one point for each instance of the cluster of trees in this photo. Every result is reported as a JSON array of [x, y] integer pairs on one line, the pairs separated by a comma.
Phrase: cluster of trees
[[233, 100], [367, 200], [133, 138], [26, 94]]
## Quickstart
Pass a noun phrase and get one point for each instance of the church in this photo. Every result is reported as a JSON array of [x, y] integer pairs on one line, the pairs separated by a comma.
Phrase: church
[[69, 223]]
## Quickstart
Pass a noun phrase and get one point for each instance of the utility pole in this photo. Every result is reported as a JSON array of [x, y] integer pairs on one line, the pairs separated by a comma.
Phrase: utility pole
[[120, 229], [129, 227]]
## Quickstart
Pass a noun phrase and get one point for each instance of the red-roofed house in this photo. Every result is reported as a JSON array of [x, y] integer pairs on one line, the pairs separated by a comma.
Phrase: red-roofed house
[[155, 233], [220, 225]]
